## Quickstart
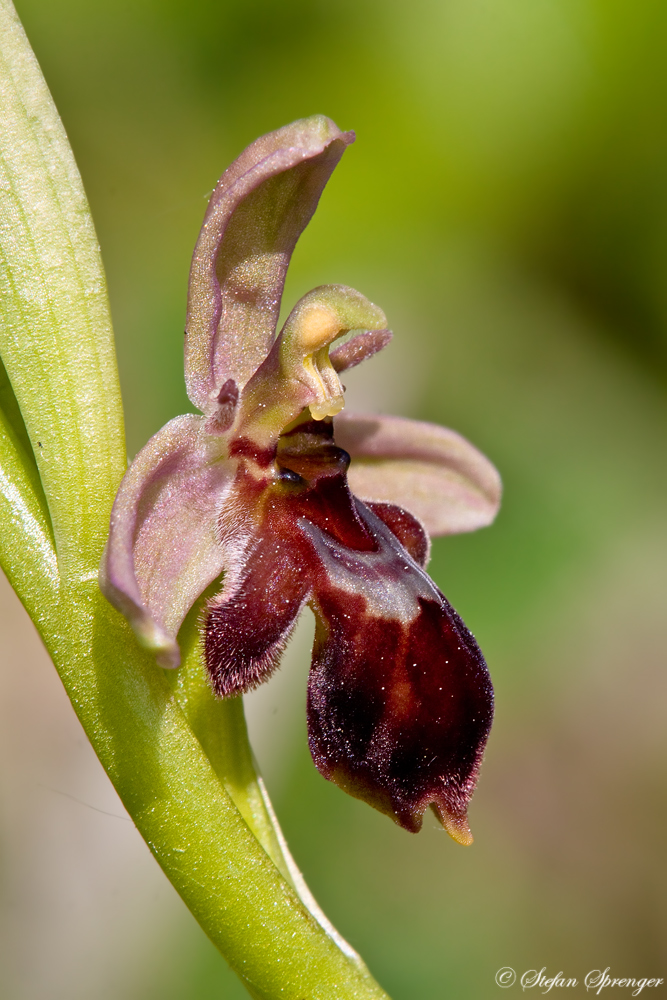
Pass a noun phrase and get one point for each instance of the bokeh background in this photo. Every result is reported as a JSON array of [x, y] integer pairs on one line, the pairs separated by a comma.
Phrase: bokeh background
[[506, 204]]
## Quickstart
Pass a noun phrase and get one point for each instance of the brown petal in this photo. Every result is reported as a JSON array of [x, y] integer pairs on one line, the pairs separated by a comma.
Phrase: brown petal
[[359, 348]]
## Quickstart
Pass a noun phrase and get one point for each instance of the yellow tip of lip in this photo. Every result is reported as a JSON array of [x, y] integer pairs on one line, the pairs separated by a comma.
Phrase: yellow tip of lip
[[457, 827]]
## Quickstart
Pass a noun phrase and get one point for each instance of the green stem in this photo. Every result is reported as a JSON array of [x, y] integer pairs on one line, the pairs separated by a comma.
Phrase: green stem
[[221, 729], [179, 760]]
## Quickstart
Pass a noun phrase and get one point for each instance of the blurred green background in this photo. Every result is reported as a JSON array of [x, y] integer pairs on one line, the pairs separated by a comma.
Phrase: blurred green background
[[506, 204]]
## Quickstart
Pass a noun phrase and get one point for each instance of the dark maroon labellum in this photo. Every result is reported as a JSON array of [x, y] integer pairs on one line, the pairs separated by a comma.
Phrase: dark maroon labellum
[[399, 698]]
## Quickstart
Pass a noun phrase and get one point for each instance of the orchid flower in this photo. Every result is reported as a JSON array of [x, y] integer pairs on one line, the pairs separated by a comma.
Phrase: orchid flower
[[297, 503]]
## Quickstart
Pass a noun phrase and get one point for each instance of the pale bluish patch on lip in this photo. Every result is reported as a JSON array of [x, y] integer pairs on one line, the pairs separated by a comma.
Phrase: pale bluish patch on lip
[[389, 581]]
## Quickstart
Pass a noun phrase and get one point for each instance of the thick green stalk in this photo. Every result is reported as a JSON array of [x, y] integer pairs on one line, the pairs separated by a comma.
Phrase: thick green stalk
[[179, 760]]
